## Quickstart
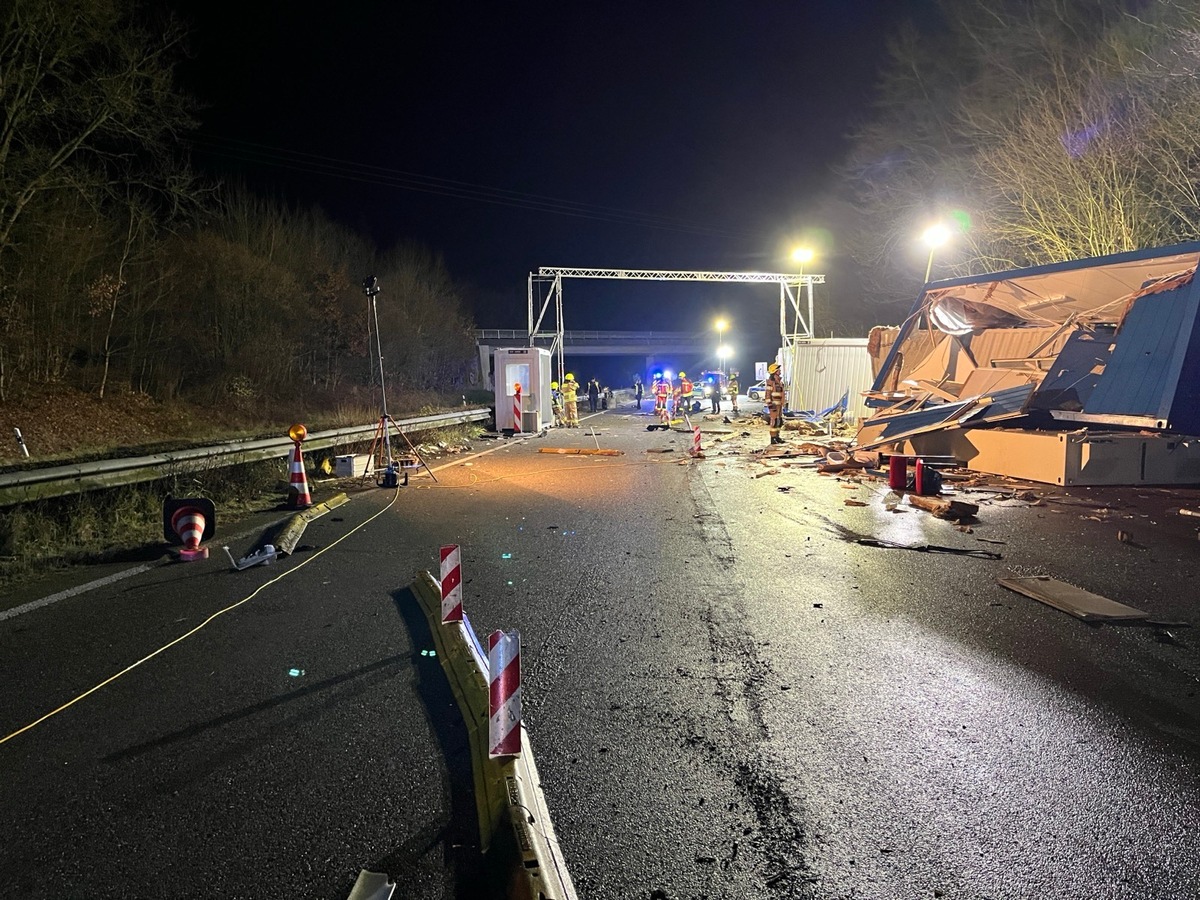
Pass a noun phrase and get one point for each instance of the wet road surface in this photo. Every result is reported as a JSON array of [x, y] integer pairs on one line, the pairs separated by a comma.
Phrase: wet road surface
[[727, 696]]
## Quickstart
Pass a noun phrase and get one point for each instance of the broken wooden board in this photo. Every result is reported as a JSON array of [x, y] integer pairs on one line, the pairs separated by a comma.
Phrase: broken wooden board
[[580, 451], [1072, 600], [954, 510]]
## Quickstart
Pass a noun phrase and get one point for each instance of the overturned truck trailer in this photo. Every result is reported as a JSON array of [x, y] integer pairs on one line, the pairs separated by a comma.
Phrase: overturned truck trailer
[[1084, 372]]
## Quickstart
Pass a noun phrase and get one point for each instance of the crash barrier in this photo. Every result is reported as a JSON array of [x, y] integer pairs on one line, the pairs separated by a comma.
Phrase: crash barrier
[[75, 478], [513, 817]]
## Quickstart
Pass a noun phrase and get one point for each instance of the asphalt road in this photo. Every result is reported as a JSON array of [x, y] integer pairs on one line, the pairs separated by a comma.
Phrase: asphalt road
[[727, 696]]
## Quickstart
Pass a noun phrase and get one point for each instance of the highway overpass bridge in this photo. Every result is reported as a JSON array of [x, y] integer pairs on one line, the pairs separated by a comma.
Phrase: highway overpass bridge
[[680, 346]]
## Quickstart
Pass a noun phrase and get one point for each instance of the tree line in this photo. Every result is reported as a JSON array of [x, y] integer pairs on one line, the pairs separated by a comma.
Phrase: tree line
[[1047, 130], [122, 270]]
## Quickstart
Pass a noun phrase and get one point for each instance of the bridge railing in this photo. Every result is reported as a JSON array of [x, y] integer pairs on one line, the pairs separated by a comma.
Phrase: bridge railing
[[484, 334]]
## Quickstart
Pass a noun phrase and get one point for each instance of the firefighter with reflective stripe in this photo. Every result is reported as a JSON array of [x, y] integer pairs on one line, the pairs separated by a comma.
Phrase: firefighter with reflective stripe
[[733, 390], [556, 404], [776, 394], [662, 393], [570, 392], [686, 392]]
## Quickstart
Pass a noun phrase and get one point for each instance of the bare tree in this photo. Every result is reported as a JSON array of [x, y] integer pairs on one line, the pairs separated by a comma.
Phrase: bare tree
[[1060, 127], [88, 102]]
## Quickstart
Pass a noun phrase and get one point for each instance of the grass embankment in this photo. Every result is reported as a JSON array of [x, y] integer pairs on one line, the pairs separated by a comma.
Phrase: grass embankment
[[126, 523]]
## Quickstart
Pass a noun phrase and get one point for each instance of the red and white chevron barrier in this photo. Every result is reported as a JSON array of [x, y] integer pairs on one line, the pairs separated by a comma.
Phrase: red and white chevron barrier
[[695, 440], [517, 409], [452, 610], [504, 696]]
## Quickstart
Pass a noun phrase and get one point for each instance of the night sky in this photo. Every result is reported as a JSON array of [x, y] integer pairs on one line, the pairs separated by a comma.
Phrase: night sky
[[512, 136]]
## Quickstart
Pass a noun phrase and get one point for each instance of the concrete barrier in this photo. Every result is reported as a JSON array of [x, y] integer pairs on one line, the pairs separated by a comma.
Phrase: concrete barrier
[[513, 818]]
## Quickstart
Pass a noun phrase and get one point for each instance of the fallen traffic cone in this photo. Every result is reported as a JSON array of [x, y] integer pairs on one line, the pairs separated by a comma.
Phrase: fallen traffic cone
[[188, 522], [298, 495]]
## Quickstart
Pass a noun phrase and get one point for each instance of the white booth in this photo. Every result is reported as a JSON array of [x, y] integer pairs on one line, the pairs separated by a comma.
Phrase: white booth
[[530, 368]]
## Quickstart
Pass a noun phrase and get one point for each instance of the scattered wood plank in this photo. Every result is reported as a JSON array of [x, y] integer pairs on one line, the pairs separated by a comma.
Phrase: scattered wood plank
[[580, 451], [1072, 600], [954, 510]]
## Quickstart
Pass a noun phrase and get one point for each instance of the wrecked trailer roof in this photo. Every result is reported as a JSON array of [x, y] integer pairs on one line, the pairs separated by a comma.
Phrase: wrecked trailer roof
[[1111, 340]]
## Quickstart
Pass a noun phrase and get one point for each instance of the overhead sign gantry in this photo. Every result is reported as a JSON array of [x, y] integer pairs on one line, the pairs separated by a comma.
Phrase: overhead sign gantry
[[790, 286]]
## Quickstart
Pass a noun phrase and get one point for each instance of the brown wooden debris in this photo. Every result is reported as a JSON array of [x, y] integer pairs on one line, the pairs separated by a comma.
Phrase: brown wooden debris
[[580, 451], [954, 510], [850, 501]]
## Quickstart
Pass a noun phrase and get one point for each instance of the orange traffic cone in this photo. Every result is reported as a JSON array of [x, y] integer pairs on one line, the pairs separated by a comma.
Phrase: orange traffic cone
[[189, 522], [298, 495]]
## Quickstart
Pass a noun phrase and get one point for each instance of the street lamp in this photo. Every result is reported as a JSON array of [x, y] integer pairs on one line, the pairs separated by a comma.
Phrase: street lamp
[[933, 237], [720, 324]]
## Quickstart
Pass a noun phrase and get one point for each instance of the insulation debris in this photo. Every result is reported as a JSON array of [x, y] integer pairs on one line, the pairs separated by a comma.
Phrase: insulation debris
[[1072, 600]]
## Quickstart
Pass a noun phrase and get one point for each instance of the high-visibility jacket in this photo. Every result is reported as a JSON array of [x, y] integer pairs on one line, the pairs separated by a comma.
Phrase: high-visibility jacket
[[732, 386], [775, 391], [569, 391], [686, 388], [662, 388]]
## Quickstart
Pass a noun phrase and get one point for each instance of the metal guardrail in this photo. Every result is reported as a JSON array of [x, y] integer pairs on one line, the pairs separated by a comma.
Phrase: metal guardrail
[[77, 478]]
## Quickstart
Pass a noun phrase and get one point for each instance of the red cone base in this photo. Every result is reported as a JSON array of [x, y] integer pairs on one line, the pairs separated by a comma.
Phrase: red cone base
[[191, 555]]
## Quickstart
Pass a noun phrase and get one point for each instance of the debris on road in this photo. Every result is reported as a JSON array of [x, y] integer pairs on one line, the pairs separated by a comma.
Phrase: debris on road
[[1072, 600], [580, 451], [953, 510]]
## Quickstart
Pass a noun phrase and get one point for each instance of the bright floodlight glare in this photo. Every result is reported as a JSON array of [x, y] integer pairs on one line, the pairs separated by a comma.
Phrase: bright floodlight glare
[[668, 374], [720, 323], [802, 255], [935, 235]]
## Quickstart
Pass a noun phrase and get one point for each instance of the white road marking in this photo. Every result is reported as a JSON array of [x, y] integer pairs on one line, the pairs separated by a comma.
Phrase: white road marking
[[71, 592]]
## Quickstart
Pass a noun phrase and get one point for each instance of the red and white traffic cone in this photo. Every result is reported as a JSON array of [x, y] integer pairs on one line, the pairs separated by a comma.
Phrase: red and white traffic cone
[[188, 522], [504, 695], [517, 409], [452, 610], [298, 495]]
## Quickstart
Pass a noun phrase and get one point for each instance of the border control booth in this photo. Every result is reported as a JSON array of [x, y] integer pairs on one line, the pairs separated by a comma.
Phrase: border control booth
[[530, 368]]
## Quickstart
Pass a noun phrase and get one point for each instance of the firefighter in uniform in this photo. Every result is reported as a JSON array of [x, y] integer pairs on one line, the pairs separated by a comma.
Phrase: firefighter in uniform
[[686, 393], [570, 391], [775, 398], [556, 404], [733, 390], [662, 392]]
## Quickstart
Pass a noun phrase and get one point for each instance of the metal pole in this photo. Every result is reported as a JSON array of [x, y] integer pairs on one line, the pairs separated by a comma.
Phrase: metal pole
[[929, 265], [812, 331], [383, 416]]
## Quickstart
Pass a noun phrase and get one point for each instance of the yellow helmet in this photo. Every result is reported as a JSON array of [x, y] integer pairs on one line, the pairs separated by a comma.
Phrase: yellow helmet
[[683, 374], [773, 368], [554, 385], [570, 377]]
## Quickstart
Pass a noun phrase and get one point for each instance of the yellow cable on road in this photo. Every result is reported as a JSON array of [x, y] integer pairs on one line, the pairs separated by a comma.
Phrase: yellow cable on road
[[188, 634]]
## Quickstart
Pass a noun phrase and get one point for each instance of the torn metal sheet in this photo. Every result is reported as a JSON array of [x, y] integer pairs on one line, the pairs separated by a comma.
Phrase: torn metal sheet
[[1113, 341], [1072, 600]]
